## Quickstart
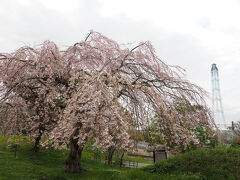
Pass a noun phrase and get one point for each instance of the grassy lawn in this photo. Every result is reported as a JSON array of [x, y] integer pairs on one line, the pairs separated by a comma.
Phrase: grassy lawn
[[50, 165], [215, 164]]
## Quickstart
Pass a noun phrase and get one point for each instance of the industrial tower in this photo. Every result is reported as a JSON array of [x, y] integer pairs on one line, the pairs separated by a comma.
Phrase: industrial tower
[[217, 108]]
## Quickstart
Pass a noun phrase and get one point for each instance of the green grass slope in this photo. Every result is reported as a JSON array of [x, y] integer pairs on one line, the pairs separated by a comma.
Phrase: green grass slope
[[210, 164], [50, 165], [47, 164]]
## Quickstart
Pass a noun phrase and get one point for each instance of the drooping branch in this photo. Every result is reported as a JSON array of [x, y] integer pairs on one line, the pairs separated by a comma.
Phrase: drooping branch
[[104, 87]]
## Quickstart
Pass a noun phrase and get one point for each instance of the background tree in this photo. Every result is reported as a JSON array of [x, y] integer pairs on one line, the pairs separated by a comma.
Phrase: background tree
[[236, 132], [151, 135], [206, 135], [95, 79], [203, 130], [236, 128]]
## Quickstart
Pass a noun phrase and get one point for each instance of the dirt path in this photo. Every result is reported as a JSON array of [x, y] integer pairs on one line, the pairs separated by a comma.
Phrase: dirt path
[[135, 164]]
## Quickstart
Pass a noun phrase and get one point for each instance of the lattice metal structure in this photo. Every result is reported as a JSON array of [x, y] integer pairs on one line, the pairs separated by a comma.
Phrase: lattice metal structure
[[217, 107]]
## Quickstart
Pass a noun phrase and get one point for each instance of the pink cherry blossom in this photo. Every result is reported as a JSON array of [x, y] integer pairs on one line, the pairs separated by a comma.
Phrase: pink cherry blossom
[[98, 90]]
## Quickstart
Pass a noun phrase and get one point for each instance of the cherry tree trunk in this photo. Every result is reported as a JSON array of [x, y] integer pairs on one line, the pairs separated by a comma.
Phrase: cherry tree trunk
[[121, 159], [37, 141], [73, 164], [41, 129], [36, 144], [154, 156], [110, 154]]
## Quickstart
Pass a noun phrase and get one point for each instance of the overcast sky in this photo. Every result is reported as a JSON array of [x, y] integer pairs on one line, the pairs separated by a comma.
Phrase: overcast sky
[[190, 33]]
